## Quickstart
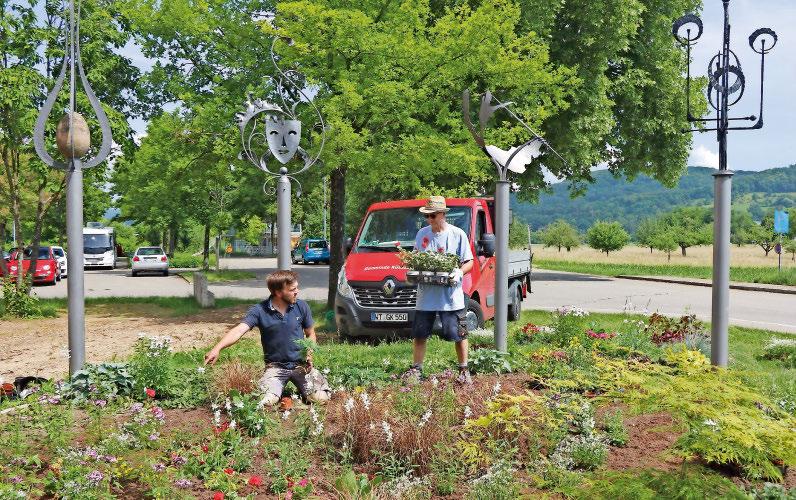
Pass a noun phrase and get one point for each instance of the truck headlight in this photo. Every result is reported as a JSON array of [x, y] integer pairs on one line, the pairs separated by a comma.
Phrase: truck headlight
[[343, 288]]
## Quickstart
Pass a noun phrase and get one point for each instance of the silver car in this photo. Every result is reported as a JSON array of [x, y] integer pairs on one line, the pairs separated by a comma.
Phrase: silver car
[[150, 259], [60, 257]]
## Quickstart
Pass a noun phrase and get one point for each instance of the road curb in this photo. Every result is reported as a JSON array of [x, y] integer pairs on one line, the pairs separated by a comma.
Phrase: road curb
[[752, 287]]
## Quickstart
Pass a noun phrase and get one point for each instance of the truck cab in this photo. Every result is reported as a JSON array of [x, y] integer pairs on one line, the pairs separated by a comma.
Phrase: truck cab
[[99, 247], [373, 298]]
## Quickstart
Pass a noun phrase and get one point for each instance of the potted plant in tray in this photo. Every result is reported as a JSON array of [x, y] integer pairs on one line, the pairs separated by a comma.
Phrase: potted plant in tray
[[433, 268]]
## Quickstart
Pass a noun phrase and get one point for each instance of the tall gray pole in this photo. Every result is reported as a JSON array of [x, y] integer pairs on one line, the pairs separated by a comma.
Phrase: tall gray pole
[[74, 239], [501, 264], [283, 220]]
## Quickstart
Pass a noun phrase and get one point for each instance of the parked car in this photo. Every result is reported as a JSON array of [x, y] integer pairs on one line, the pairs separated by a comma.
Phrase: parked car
[[311, 250], [60, 256], [47, 270], [150, 260]]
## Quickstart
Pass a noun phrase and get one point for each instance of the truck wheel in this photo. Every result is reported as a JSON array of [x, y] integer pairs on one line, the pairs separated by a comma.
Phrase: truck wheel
[[515, 304], [474, 315]]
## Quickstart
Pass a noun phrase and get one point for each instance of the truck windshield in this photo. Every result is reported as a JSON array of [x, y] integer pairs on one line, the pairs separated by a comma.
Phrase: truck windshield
[[96, 243], [383, 228]]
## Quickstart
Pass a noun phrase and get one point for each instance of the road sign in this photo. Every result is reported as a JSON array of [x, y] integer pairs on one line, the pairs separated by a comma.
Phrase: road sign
[[778, 248], [781, 221]]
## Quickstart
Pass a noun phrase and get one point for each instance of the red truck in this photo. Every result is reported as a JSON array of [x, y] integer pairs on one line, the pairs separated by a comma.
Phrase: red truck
[[373, 298]]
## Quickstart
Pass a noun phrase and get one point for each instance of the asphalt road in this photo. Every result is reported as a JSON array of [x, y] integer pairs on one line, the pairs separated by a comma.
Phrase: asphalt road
[[551, 289]]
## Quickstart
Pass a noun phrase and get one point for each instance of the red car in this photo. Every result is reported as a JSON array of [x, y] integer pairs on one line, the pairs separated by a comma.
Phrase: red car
[[47, 270]]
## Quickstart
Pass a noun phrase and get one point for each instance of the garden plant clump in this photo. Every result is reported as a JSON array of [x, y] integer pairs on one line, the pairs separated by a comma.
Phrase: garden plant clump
[[554, 415]]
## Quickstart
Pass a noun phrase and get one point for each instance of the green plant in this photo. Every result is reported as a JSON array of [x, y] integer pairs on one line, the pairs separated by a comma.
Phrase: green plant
[[151, 365], [18, 302], [287, 463], [770, 491], [489, 361], [607, 236], [663, 329], [103, 381], [352, 486], [689, 482], [228, 449], [246, 412], [614, 426], [418, 260], [185, 260], [188, 388], [497, 483], [446, 469], [780, 349], [580, 452]]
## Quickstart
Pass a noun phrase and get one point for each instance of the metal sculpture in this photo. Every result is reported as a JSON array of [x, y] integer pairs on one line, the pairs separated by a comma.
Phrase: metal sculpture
[[726, 86], [74, 144], [272, 131], [515, 159]]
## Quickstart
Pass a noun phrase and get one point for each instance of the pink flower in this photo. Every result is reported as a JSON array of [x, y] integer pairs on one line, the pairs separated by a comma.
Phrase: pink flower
[[289, 495], [441, 250], [303, 482], [150, 393], [425, 242], [398, 244]]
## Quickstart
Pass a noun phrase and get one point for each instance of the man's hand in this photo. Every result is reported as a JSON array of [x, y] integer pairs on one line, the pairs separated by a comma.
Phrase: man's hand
[[212, 356], [309, 359]]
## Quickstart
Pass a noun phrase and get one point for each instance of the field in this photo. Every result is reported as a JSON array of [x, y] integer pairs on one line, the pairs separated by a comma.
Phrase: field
[[748, 263], [582, 406]]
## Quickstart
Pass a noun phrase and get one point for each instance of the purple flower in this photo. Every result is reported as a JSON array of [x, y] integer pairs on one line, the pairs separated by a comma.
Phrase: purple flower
[[158, 467], [54, 400], [110, 459], [91, 453], [157, 412], [42, 398], [94, 477], [92, 388], [136, 407], [16, 480], [183, 483], [100, 403], [178, 460], [154, 436], [405, 389]]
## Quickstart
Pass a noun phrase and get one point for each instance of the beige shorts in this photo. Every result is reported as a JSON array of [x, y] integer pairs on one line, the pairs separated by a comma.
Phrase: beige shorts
[[275, 378]]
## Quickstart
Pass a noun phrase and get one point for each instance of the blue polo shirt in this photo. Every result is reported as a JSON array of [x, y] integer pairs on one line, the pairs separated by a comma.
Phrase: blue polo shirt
[[278, 332]]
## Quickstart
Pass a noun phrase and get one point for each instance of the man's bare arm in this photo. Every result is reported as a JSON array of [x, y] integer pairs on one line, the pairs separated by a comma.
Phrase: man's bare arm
[[467, 267], [229, 338]]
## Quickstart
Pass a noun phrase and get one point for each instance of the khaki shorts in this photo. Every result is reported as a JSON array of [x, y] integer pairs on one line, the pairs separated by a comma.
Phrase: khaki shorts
[[275, 378]]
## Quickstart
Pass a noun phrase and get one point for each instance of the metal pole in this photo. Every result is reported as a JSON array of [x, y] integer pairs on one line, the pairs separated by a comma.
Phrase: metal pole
[[74, 239], [324, 207], [721, 269], [283, 221], [501, 264]]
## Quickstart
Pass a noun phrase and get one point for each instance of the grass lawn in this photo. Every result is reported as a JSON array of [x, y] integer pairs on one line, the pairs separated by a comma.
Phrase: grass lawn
[[742, 274], [150, 306], [222, 275]]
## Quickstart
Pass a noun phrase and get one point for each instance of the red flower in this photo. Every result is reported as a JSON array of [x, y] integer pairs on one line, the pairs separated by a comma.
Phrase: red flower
[[398, 244], [204, 448], [441, 250], [425, 242], [150, 393], [229, 471], [256, 481], [218, 496]]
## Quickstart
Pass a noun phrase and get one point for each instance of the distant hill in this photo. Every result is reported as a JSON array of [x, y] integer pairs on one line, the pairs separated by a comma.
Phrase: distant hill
[[612, 199]]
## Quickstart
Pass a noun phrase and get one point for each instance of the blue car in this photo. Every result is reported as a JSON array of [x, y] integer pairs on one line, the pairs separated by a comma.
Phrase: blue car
[[311, 250]]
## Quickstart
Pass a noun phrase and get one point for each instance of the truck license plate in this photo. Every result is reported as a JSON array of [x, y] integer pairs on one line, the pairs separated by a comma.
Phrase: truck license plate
[[386, 317]]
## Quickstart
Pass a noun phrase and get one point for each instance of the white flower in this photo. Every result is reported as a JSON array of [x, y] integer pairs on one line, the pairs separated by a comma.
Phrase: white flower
[[385, 361], [425, 418], [387, 430], [285, 415], [325, 371], [349, 405], [712, 424], [468, 412], [141, 335], [239, 404], [262, 402], [233, 424], [294, 396], [201, 369], [372, 426], [365, 400], [434, 381], [228, 405], [496, 387], [217, 417]]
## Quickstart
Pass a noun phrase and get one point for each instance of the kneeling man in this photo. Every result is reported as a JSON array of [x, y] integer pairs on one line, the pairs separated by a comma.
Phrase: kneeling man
[[282, 319]]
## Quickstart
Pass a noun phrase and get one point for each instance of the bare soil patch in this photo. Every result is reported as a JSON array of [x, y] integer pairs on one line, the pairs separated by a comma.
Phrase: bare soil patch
[[650, 438], [40, 347]]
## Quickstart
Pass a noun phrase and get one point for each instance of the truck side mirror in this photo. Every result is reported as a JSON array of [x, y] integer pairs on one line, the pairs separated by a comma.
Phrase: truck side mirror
[[486, 246], [349, 244]]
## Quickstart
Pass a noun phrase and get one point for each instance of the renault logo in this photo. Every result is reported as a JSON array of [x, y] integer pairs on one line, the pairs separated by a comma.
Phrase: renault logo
[[389, 287]]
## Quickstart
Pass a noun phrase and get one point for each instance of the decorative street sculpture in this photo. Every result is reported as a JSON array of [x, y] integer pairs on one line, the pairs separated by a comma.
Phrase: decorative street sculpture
[[74, 143], [725, 79], [272, 131], [515, 159]]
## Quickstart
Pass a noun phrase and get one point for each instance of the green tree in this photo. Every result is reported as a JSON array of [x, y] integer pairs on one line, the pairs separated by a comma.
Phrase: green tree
[[560, 234], [646, 232], [664, 240], [518, 234], [253, 230], [742, 226], [607, 236], [790, 247], [692, 226], [763, 234]]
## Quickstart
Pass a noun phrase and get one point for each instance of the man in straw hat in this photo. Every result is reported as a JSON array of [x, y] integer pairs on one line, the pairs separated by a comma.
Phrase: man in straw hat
[[447, 302]]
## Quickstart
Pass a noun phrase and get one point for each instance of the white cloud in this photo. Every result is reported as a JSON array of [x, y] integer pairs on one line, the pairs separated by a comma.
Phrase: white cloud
[[703, 157]]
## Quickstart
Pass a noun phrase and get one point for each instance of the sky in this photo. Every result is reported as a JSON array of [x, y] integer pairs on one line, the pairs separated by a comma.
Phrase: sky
[[772, 146]]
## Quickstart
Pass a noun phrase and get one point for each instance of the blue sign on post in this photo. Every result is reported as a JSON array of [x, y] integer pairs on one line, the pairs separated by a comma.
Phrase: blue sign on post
[[780, 221]]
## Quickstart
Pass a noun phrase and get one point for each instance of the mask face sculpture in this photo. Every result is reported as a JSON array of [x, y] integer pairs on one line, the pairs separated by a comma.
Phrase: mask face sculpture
[[283, 137]]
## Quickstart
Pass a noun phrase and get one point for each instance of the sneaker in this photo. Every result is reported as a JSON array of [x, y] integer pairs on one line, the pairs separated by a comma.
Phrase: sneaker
[[464, 377], [412, 376]]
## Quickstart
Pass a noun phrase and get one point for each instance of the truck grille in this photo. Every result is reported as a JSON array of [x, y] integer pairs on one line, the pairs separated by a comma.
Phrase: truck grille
[[403, 298]]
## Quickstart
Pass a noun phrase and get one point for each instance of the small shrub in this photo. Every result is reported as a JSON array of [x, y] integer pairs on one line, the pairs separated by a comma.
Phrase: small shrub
[[236, 376], [663, 329], [19, 303], [104, 381], [783, 350], [227, 449], [151, 365], [497, 483], [185, 260], [614, 426], [245, 410], [288, 462], [489, 361], [352, 486], [580, 452], [771, 491], [188, 388]]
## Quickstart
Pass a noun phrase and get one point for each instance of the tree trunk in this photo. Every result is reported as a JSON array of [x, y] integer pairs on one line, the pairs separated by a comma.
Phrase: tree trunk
[[682, 249], [218, 252], [172, 239], [650, 249], [206, 249], [559, 248], [163, 239], [766, 250], [3, 268], [337, 229], [668, 256]]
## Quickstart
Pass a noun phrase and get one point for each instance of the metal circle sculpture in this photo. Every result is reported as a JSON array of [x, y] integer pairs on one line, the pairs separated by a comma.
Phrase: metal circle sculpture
[[686, 20], [763, 32], [271, 131]]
